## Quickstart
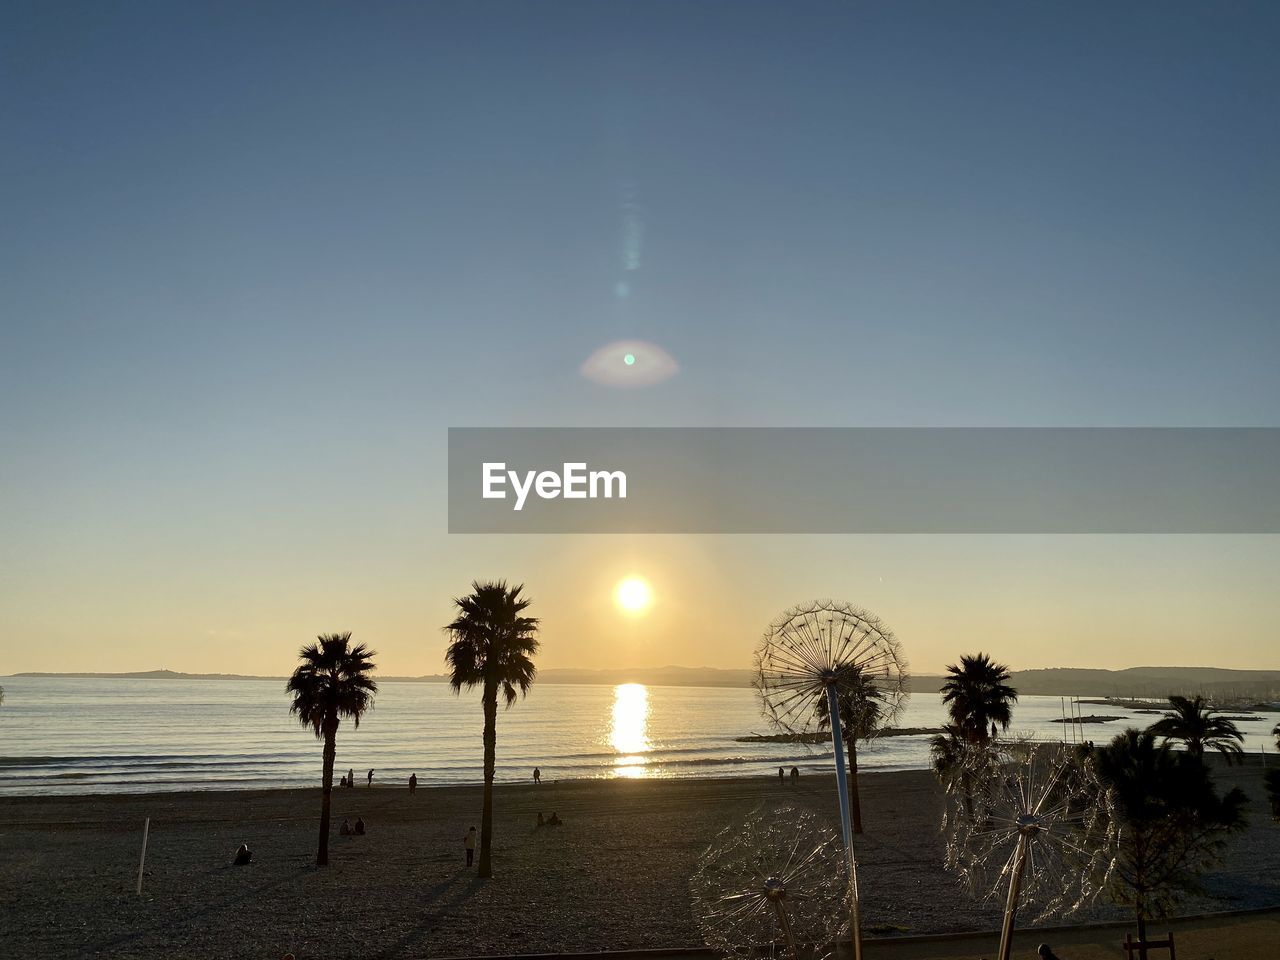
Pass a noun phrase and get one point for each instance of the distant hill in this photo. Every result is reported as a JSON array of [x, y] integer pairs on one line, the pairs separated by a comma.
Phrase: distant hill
[[1156, 682], [1141, 682], [653, 676], [147, 675]]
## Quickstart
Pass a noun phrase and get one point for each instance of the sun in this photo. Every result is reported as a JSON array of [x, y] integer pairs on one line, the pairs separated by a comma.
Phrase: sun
[[633, 595]]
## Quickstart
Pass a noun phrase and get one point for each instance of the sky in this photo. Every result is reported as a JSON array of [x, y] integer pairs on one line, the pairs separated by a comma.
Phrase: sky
[[256, 259]]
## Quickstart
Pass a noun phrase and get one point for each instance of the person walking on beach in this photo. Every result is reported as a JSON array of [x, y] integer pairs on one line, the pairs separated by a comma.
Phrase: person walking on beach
[[795, 775], [469, 844], [413, 783], [371, 776], [351, 777], [537, 775]]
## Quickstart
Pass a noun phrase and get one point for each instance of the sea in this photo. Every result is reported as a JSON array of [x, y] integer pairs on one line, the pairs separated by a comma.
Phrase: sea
[[61, 735]]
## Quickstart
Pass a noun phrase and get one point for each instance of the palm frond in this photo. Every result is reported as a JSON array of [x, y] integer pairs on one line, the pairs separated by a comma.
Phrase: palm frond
[[333, 680], [492, 643]]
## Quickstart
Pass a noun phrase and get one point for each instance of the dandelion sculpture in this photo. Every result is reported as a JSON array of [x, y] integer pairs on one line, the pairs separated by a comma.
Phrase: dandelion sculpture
[[771, 888], [809, 655], [1031, 828]]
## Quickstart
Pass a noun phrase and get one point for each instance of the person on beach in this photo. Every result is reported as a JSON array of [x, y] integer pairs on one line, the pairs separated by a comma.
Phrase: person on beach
[[413, 782], [371, 776], [469, 844], [555, 820], [795, 775], [342, 782], [345, 829], [359, 826], [537, 775], [779, 775], [351, 777], [541, 822], [243, 855]]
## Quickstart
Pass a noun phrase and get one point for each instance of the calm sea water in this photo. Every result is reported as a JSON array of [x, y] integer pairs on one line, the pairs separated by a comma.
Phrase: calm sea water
[[60, 735]]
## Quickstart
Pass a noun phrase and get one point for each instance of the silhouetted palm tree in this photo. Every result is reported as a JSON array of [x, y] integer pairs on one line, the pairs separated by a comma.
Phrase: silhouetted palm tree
[[492, 647], [979, 697], [862, 710], [1169, 822], [959, 762], [947, 751], [1193, 722], [1272, 780], [332, 681]]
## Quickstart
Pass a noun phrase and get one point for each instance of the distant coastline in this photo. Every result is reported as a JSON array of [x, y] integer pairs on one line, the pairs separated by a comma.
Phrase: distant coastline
[[1148, 683]]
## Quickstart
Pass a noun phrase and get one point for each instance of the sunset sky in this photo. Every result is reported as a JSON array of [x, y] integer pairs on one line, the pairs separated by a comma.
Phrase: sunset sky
[[256, 259]]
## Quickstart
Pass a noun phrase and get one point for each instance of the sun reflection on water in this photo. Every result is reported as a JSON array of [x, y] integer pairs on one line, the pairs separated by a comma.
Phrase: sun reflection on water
[[629, 733]]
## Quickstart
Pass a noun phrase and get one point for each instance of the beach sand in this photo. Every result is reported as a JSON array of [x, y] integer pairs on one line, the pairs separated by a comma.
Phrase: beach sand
[[615, 876]]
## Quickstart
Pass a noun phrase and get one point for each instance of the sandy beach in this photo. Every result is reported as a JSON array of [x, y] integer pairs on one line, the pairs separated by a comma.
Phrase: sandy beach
[[615, 876]]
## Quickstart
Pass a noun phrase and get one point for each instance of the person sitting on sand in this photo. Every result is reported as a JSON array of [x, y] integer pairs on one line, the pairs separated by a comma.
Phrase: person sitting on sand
[[243, 855], [342, 782], [541, 821], [345, 829], [469, 844], [413, 782], [555, 820], [359, 826]]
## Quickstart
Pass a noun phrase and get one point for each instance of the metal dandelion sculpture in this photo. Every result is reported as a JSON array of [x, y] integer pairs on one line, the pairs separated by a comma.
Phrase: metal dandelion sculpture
[[811, 656], [1030, 828], [771, 888]]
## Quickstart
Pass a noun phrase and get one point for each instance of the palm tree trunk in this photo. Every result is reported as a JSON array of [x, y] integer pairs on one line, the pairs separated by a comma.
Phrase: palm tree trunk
[[855, 801], [490, 741], [326, 781]]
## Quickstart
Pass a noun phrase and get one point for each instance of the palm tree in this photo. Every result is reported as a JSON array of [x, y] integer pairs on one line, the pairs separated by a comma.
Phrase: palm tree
[[979, 697], [334, 680], [1169, 822], [862, 710], [1272, 780], [947, 752], [959, 763], [492, 646], [1193, 722]]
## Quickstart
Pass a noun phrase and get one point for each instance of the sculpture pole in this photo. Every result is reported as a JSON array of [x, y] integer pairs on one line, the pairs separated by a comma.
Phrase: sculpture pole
[[846, 823], [775, 890], [1015, 889]]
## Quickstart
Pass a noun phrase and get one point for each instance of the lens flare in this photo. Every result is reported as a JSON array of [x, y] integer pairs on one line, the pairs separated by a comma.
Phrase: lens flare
[[629, 363]]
